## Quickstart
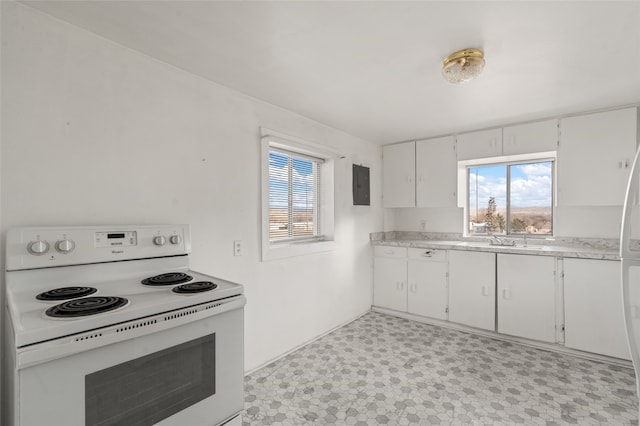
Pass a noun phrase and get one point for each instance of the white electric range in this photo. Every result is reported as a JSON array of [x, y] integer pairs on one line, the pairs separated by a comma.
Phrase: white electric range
[[109, 325]]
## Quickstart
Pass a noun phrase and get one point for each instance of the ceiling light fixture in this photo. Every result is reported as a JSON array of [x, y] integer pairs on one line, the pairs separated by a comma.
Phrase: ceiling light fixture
[[463, 65]]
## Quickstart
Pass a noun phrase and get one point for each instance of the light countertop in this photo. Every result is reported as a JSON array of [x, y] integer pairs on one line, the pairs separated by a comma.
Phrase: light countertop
[[533, 247]]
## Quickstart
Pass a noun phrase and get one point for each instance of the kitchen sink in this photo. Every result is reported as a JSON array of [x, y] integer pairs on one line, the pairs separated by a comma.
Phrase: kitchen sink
[[505, 247]]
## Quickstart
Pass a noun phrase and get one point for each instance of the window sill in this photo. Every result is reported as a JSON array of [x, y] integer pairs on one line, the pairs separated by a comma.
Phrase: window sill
[[293, 249]]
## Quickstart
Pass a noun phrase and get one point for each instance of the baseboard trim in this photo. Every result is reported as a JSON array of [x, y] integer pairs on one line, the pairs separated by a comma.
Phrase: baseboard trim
[[552, 347], [253, 370]]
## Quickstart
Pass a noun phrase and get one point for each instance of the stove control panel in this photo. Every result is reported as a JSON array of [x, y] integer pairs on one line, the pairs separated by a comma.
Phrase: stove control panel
[[116, 239], [42, 247]]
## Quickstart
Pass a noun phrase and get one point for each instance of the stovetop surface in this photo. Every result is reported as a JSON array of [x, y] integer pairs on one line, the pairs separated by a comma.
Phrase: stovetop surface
[[112, 259], [32, 325]]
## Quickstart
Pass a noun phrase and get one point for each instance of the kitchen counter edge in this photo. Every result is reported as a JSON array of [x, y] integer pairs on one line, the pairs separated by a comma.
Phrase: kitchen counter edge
[[536, 250]]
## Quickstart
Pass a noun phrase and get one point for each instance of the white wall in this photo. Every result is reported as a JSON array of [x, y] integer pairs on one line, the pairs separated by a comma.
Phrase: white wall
[[94, 133], [444, 219]]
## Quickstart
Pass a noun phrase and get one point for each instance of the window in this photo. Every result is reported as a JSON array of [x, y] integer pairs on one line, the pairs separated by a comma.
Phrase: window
[[297, 196], [293, 196], [510, 198]]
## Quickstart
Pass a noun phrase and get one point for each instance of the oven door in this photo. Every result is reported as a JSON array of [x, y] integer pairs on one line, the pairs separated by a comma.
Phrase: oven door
[[191, 374]]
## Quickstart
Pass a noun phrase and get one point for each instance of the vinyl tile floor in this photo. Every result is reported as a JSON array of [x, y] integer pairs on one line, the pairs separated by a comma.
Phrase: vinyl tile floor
[[380, 369]]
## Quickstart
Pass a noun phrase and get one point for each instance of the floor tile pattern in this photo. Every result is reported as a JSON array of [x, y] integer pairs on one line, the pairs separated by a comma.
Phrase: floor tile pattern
[[381, 369]]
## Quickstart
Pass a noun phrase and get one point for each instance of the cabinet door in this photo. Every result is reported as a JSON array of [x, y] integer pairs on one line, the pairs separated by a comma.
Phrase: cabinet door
[[594, 157], [436, 172], [526, 296], [427, 288], [472, 284], [482, 144], [390, 283], [398, 175], [541, 136], [593, 315]]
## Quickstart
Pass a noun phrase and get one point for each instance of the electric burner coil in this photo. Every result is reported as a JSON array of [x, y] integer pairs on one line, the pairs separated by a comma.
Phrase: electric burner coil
[[86, 306], [195, 287], [66, 293], [170, 278]]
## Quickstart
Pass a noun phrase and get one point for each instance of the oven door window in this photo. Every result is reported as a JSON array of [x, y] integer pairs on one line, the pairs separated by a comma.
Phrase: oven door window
[[151, 388]]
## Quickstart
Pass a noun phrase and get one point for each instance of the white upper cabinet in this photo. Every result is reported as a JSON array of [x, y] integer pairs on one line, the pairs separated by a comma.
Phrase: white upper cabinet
[[595, 156], [398, 175], [482, 144], [541, 136], [436, 172]]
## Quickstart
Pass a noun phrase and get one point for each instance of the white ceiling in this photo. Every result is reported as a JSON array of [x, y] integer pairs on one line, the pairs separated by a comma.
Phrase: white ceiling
[[372, 68]]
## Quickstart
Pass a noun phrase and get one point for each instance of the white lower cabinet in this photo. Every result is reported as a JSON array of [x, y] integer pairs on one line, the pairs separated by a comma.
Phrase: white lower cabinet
[[593, 307], [390, 278], [472, 284], [427, 277], [513, 294], [527, 296]]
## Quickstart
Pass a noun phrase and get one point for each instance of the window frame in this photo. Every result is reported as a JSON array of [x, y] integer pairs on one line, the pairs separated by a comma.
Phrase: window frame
[[512, 160], [323, 242], [317, 223]]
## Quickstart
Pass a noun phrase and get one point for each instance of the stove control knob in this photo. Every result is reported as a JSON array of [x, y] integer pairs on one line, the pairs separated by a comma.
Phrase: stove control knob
[[65, 246], [38, 247], [159, 240], [175, 239]]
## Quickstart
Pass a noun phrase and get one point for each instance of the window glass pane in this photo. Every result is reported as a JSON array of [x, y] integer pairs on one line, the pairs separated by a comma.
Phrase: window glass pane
[[293, 196], [531, 198], [487, 199], [278, 195], [511, 199], [304, 197]]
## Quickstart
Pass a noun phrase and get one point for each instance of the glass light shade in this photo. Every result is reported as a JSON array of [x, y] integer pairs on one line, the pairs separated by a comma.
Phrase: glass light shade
[[463, 65]]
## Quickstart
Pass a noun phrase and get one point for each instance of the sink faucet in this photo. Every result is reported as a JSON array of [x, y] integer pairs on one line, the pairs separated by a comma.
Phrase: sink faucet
[[499, 240]]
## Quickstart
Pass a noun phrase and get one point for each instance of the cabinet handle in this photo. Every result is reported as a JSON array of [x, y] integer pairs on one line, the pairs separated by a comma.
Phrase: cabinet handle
[[428, 253], [389, 251], [506, 293], [485, 290]]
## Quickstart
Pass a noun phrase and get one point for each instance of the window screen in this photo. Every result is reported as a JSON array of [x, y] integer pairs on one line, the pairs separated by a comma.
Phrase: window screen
[[293, 196]]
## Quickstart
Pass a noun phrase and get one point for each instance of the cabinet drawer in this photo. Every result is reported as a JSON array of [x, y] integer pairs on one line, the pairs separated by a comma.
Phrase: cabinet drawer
[[436, 255], [389, 251]]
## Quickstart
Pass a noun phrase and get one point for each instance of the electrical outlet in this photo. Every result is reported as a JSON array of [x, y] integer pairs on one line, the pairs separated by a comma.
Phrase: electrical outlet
[[423, 224], [237, 248]]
